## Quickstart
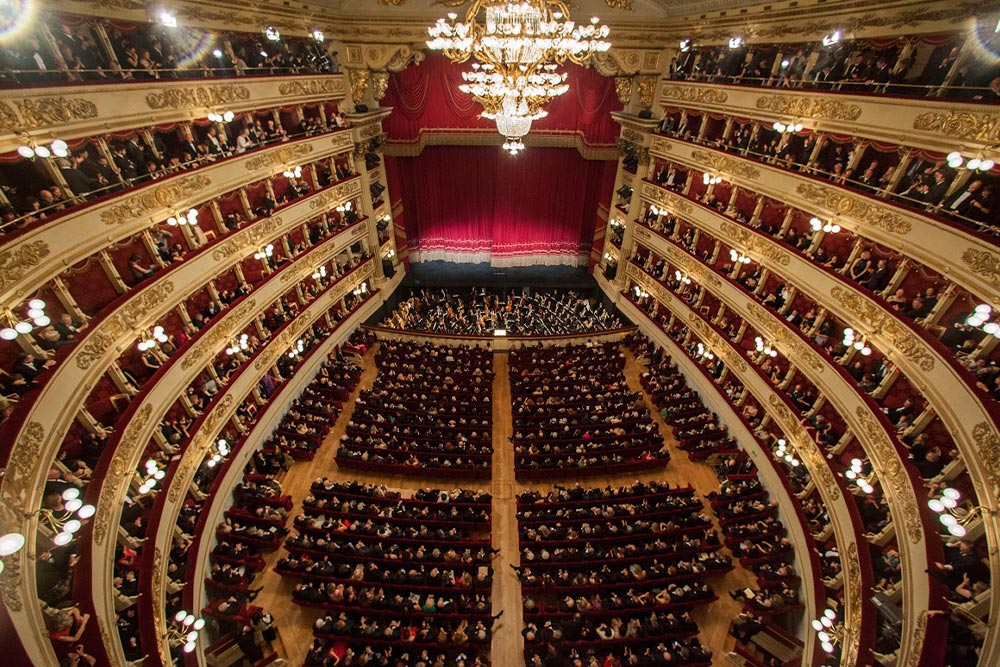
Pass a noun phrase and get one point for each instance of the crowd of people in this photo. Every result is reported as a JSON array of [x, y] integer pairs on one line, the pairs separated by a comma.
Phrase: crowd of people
[[612, 574], [393, 574], [479, 312], [574, 413], [429, 411]]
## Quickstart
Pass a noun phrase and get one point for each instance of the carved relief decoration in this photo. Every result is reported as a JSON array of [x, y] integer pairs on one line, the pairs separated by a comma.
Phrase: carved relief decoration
[[337, 195], [380, 84], [691, 266], [878, 322], [128, 319], [792, 346], [983, 262], [326, 86], [748, 241], [623, 88], [978, 127], [200, 96], [243, 242], [200, 442], [853, 605], [120, 471], [279, 157], [719, 346], [47, 111], [647, 90], [728, 165], [843, 203], [809, 107], [660, 145], [664, 199], [16, 261], [690, 94], [624, 5], [106, 638], [988, 445], [16, 498], [219, 335], [359, 84], [10, 584], [806, 447], [919, 636], [155, 199], [892, 475]]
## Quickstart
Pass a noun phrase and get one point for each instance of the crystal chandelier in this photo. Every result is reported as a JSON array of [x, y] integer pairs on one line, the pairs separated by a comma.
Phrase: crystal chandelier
[[517, 48]]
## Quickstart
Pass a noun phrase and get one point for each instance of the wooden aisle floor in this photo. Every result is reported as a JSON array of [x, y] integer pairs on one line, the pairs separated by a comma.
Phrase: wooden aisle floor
[[295, 622]]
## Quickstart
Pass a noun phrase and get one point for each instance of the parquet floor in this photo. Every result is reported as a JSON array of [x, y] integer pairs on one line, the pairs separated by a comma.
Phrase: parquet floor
[[295, 622]]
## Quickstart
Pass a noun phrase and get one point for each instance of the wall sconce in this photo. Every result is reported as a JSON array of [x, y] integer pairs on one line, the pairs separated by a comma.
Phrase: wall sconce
[[293, 173], [786, 127], [159, 336], [682, 278], [318, 36], [66, 523], [851, 340], [979, 318], [832, 38], [782, 452], [272, 33], [183, 630], [828, 632], [58, 148], [979, 163], [765, 347], [153, 475], [704, 353], [189, 218], [709, 179], [221, 451], [264, 252], [819, 226], [738, 257], [856, 474], [944, 507], [36, 315], [735, 42], [239, 345], [226, 117]]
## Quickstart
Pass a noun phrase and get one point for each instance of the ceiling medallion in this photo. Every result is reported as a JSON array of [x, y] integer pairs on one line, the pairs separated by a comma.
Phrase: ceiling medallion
[[518, 47]]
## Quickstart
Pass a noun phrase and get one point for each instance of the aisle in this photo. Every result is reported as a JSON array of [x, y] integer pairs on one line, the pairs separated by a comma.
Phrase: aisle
[[295, 622]]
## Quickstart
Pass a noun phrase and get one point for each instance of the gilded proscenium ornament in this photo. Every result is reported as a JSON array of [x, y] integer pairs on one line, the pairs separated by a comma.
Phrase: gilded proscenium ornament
[[664, 199], [726, 164], [155, 199], [16, 261], [892, 475], [748, 241], [858, 208], [37, 112], [983, 262], [623, 88], [875, 320], [120, 470], [359, 79], [380, 84], [809, 107], [978, 127], [199, 96], [647, 90], [131, 317], [281, 157], [705, 95]]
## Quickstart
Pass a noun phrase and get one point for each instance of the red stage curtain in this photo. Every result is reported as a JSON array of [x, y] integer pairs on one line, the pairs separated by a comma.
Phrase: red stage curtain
[[478, 204], [426, 96]]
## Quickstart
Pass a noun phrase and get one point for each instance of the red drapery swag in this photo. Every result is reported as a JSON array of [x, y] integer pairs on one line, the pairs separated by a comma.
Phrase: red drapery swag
[[478, 204], [426, 96]]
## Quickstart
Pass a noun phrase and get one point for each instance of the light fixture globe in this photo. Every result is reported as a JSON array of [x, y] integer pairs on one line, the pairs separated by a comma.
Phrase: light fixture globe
[[11, 543]]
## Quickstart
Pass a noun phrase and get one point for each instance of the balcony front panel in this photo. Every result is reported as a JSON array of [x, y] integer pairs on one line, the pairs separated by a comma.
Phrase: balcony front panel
[[76, 111], [922, 122], [42, 253], [969, 261]]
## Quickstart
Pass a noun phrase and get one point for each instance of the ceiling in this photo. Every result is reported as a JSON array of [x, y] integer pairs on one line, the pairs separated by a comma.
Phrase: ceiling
[[609, 10]]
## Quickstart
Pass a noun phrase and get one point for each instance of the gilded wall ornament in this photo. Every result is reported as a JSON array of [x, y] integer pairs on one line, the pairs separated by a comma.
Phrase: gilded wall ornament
[[978, 127], [809, 107], [244, 242], [624, 5], [326, 86], [219, 335], [45, 111], [853, 605], [748, 241], [984, 263], [128, 319], [199, 96], [917, 641], [665, 199], [156, 199], [279, 157], [359, 84], [720, 346], [15, 262], [988, 445], [881, 323], [380, 84], [623, 88], [806, 447], [120, 471], [726, 164], [337, 195], [692, 266], [851, 206], [647, 90], [705, 95], [778, 333], [195, 452], [903, 505], [10, 584]]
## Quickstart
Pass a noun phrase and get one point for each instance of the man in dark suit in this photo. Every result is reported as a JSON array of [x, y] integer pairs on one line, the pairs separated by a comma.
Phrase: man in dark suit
[[28, 367], [79, 183], [961, 203]]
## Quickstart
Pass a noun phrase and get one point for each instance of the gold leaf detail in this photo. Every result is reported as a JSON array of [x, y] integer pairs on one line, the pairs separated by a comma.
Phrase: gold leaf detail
[[988, 445], [983, 262], [131, 317], [726, 164], [337, 195], [156, 199], [691, 94], [809, 107], [120, 471], [978, 127], [280, 157], [243, 242], [48, 111], [200, 96], [842, 203], [882, 323], [312, 87], [219, 334], [748, 241], [665, 199], [16, 261]]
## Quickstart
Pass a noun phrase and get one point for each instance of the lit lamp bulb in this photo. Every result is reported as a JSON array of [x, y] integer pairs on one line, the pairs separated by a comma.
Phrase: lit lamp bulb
[[11, 543]]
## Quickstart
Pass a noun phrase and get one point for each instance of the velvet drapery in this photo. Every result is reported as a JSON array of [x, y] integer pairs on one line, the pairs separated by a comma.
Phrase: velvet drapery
[[425, 98], [478, 204]]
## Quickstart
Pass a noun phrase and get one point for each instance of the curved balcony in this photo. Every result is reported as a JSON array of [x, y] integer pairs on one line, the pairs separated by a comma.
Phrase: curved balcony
[[75, 111], [970, 420], [39, 254], [55, 406], [874, 432], [927, 239], [930, 123]]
